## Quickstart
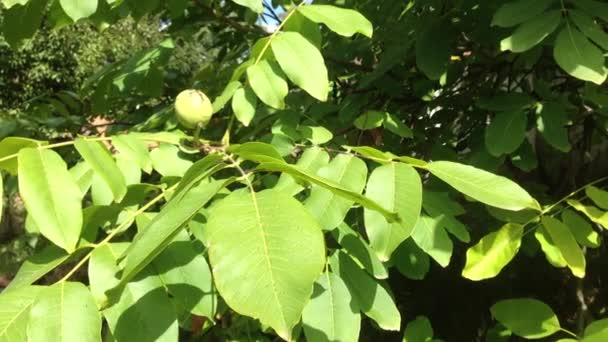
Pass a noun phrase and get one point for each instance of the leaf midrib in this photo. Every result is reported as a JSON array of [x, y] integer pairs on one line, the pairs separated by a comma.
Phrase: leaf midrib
[[267, 258]]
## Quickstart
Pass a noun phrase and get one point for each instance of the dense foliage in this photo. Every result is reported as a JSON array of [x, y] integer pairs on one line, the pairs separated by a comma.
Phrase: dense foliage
[[405, 170]]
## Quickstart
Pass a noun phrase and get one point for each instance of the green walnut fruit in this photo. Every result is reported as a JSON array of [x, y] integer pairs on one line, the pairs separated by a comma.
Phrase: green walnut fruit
[[192, 107]]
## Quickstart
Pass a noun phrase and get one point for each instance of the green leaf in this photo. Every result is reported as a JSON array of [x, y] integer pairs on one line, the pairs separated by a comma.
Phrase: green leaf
[[506, 102], [306, 27], [134, 150], [268, 83], [257, 152], [493, 252], [418, 330], [593, 213], [331, 314], [185, 273], [506, 132], [64, 311], [103, 269], [434, 47], [370, 120], [51, 196], [78, 9], [345, 22], [483, 186], [243, 105], [598, 196], [144, 312], [198, 172], [551, 122], [311, 161], [316, 134], [447, 221], [10, 3], [226, 95], [411, 261], [327, 207], [589, 27], [101, 161], [164, 227], [143, 303], [11, 146], [395, 125], [369, 296], [1, 196], [302, 63], [595, 8], [345, 193], [532, 32], [433, 239], [254, 273], [22, 22], [36, 266], [16, 307], [596, 331], [526, 317], [516, 12], [552, 253], [83, 176], [357, 248], [254, 5], [579, 57], [396, 187], [167, 161], [566, 243], [581, 229]]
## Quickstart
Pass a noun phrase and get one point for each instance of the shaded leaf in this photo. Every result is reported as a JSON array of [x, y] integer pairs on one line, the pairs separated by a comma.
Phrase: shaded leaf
[[371, 297], [357, 248], [526, 317], [532, 32], [598, 196], [327, 207], [134, 150], [433, 239], [581, 229], [268, 83], [551, 122], [418, 330], [396, 187], [434, 47], [331, 314], [36, 266], [516, 12], [506, 132], [243, 105], [411, 261], [566, 243]]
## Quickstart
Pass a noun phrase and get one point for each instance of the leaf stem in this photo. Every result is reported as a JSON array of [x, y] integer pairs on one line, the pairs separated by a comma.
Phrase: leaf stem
[[117, 230], [569, 333], [565, 198]]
